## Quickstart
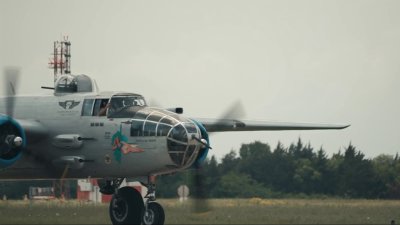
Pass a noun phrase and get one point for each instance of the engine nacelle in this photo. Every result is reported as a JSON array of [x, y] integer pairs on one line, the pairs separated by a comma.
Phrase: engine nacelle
[[12, 141]]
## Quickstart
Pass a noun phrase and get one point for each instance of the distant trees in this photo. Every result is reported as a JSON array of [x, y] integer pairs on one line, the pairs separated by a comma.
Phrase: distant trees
[[387, 169], [259, 171]]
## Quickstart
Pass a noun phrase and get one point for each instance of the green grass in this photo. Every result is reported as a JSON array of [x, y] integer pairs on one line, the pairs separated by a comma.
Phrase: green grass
[[224, 211]]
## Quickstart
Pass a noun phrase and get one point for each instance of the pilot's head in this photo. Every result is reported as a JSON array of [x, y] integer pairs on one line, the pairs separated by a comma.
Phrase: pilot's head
[[103, 104], [117, 103], [128, 102]]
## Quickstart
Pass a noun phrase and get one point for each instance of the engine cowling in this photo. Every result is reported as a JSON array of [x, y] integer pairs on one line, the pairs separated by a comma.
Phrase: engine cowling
[[12, 141]]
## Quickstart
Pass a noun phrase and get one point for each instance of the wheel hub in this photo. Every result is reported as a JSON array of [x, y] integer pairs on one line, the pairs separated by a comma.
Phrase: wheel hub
[[120, 209], [148, 217]]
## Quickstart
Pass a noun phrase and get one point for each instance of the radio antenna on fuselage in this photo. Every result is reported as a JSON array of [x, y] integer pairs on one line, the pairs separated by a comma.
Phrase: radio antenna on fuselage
[[61, 61]]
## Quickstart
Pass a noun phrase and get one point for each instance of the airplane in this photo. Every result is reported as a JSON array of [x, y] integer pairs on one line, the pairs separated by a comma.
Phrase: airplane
[[79, 131]]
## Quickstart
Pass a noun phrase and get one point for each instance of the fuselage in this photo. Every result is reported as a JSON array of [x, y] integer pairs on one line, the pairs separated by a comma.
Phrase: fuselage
[[81, 141]]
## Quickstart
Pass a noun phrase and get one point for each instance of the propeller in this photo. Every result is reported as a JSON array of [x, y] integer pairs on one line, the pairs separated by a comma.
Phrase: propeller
[[234, 111], [201, 205], [11, 75], [12, 141], [200, 197]]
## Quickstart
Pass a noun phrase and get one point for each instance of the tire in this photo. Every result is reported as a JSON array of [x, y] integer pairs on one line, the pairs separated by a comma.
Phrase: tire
[[154, 214], [126, 207]]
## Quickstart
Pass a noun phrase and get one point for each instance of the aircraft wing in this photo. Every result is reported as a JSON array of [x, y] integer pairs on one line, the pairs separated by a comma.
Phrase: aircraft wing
[[224, 125]]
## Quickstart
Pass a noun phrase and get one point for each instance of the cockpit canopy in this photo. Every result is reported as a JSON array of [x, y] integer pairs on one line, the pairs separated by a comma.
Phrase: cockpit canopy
[[74, 84], [125, 105]]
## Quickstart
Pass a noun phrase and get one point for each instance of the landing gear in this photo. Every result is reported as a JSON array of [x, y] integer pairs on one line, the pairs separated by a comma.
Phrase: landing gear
[[108, 187], [126, 207], [154, 213]]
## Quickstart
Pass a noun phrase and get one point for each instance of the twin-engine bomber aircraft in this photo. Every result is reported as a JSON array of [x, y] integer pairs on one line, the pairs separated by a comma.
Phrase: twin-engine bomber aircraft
[[80, 132]]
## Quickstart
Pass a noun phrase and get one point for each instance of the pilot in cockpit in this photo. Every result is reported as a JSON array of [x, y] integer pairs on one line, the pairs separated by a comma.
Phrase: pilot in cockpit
[[129, 102], [103, 107], [116, 105], [120, 103]]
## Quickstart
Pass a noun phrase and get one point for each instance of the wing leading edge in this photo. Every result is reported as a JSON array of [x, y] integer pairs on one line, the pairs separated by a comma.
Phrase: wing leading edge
[[224, 125]]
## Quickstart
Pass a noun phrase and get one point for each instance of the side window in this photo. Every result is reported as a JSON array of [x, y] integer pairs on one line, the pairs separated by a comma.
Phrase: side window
[[87, 107], [100, 107], [149, 128], [137, 128], [163, 129]]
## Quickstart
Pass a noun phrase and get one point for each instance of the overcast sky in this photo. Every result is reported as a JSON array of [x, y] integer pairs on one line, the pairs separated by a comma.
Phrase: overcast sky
[[296, 61]]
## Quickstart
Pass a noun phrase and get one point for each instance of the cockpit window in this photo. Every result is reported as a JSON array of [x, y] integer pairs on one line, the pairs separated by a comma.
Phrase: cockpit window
[[124, 106], [95, 107], [87, 107], [100, 107]]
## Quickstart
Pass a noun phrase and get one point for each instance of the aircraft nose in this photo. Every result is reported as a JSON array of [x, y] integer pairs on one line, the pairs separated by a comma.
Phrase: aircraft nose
[[182, 144], [183, 136]]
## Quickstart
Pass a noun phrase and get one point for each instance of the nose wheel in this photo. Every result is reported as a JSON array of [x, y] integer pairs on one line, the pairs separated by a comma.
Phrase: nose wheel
[[154, 214]]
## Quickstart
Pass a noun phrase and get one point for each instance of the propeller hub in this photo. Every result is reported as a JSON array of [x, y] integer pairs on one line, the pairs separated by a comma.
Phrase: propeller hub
[[14, 141], [17, 141], [204, 142]]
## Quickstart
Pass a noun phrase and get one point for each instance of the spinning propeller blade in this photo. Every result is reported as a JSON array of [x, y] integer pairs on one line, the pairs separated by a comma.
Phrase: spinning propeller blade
[[8, 136], [234, 111], [11, 75], [201, 205], [200, 197]]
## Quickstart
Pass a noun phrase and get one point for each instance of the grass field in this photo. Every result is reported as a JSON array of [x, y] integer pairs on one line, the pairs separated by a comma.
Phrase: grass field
[[224, 211]]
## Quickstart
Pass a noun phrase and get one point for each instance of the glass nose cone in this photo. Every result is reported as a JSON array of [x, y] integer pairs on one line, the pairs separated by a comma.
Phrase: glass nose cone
[[182, 148]]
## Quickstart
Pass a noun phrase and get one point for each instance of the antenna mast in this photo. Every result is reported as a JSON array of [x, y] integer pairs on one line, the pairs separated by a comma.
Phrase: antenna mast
[[61, 61]]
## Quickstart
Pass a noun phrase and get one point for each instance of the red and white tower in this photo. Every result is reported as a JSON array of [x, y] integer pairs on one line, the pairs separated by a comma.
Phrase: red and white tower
[[61, 61]]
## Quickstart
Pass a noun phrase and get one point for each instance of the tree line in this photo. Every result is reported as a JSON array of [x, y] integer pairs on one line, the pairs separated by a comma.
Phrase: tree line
[[294, 171]]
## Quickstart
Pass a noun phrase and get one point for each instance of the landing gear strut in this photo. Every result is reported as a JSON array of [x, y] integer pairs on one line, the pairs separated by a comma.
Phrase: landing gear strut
[[108, 187], [127, 205], [154, 213]]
